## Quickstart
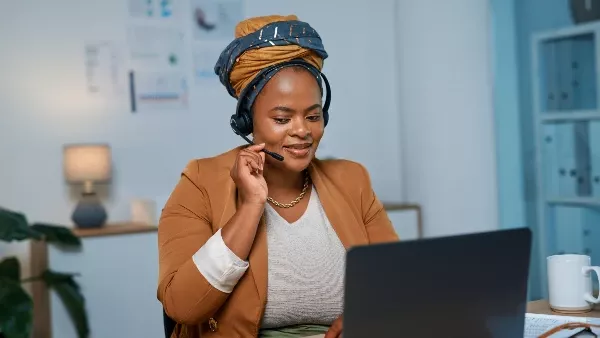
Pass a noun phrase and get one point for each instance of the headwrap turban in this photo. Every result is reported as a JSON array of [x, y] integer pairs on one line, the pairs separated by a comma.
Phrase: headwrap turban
[[261, 42]]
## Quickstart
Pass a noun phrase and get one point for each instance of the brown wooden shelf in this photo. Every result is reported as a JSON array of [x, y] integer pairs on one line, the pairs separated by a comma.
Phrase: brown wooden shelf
[[114, 229], [400, 206]]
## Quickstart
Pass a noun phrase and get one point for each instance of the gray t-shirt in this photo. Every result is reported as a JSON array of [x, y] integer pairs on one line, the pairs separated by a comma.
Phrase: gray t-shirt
[[306, 268]]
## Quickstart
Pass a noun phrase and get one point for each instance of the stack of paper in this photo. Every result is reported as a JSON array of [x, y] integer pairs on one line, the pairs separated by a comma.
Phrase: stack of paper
[[537, 324]]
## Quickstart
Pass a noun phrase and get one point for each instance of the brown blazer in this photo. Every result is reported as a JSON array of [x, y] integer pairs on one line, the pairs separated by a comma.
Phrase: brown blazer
[[204, 200]]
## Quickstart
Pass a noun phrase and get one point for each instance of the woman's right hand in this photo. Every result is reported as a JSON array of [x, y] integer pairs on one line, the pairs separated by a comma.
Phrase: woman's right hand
[[247, 173]]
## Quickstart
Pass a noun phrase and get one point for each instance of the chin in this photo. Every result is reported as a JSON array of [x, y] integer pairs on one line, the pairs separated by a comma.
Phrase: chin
[[297, 166]]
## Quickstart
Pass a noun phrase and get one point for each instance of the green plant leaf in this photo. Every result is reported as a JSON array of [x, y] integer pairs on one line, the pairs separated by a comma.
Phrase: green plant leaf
[[68, 291], [57, 234], [14, 227], [10, 268], [16, 310]]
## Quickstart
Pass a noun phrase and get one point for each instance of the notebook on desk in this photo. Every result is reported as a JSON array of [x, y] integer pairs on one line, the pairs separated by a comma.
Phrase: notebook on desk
[[538, 324]]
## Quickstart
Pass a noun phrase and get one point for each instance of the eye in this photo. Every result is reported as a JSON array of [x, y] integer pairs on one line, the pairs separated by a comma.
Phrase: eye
[[314, 118], [281, 120]]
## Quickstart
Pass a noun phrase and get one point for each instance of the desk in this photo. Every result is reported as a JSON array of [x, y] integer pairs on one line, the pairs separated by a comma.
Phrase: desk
[[542, 307]]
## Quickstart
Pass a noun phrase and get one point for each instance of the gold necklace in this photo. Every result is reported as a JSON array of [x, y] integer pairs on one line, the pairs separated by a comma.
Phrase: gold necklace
[[297, 199]]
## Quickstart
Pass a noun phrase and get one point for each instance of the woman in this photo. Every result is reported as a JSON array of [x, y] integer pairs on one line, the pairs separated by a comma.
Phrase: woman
[[251, 245]]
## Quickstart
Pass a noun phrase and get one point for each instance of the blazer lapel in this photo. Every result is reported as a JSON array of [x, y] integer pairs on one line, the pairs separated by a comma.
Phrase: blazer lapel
[[350, 230], [259, 261]]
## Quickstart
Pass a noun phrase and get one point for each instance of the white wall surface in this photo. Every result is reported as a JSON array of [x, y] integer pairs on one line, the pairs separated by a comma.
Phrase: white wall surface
[[445, 99], [45, 104]]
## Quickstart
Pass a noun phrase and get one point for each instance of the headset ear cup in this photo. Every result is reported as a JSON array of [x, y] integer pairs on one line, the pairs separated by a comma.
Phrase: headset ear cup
[[325, 118], [248, 127], [233, 122], [243, 123]]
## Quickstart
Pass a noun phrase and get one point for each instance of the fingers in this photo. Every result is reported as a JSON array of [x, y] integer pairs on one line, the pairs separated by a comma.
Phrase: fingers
[[256, 148], [331, 333], [335, 330], [254, 167], [252, 160]]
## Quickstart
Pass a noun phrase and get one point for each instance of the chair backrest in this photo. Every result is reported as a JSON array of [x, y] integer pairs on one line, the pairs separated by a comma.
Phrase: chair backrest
[[169, 324]]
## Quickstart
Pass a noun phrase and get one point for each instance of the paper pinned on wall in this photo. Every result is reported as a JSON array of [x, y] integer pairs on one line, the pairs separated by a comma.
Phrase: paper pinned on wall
[[205, 57], [155, 47], [213, 28], [215, 19], [158, 91], [102, 68], [151, 9], [141, 8]]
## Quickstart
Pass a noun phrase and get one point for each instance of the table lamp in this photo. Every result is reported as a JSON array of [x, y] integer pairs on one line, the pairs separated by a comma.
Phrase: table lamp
[[87, 164]]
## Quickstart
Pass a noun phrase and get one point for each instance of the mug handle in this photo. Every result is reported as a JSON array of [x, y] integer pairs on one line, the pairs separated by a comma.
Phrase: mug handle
[[588, 295]]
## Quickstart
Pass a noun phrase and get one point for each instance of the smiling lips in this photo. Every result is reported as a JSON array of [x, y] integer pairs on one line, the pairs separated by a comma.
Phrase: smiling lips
[[298, 150]]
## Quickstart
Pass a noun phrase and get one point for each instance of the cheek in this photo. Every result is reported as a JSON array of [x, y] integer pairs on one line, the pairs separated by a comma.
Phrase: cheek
[[270, 133], [317, 133]]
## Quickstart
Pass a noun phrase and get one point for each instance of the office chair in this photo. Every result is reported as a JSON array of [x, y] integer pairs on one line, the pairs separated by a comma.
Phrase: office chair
[[169, 324]]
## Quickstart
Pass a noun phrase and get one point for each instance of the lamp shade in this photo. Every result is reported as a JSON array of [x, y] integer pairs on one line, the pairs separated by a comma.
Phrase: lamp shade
[[87, 163]]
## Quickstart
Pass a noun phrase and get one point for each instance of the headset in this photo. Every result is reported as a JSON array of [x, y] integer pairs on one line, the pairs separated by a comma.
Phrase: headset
[[241, 121]]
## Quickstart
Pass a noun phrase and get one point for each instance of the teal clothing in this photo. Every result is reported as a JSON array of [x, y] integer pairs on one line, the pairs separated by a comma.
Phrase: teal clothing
[[294, 331]]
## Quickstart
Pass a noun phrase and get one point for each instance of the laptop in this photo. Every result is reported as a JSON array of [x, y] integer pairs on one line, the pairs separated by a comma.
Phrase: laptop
[[463, 286]]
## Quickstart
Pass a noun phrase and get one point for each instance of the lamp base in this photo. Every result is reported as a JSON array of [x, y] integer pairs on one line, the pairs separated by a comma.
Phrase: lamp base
[[89, 212]]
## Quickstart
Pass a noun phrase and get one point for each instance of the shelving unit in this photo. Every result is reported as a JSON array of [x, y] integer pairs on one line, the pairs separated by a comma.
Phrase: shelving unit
[[566, 95]]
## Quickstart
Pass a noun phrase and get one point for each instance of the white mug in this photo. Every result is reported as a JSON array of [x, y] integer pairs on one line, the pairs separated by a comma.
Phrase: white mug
[[570, 283]]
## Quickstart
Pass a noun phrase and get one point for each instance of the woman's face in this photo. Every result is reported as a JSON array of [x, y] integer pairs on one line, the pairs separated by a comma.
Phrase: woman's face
[[288, 118]]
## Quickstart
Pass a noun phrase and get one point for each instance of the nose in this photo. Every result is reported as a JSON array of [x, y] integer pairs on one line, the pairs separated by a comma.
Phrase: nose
[[300, 128]]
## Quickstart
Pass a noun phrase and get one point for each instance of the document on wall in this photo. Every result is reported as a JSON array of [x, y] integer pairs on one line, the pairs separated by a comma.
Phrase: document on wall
[[216, 19], [103, 68], [205, 57], [537, 324], [158, 91], [154, 9], [155, 47], [213, 26]]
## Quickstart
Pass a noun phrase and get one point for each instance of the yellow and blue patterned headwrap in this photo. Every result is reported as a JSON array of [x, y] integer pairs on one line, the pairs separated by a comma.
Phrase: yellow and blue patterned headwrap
[[261, 42]]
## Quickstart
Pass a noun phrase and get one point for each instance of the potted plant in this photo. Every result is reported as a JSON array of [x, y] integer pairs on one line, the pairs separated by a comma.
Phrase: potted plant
[[16, 305]]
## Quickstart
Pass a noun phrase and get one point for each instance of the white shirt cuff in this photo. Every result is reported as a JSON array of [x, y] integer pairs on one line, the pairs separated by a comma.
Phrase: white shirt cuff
[[218, 264]]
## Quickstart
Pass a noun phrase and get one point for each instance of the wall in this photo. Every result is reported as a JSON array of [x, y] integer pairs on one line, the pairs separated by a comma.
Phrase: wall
[[507, 116], [445, 98], [45, 105], [533, 16], [507, 121]]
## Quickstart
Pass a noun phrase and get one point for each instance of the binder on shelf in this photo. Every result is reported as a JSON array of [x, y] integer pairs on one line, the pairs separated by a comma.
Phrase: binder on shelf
[[582, 158], [550, 169], [564, 59], [567, 166], [595, 158]]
